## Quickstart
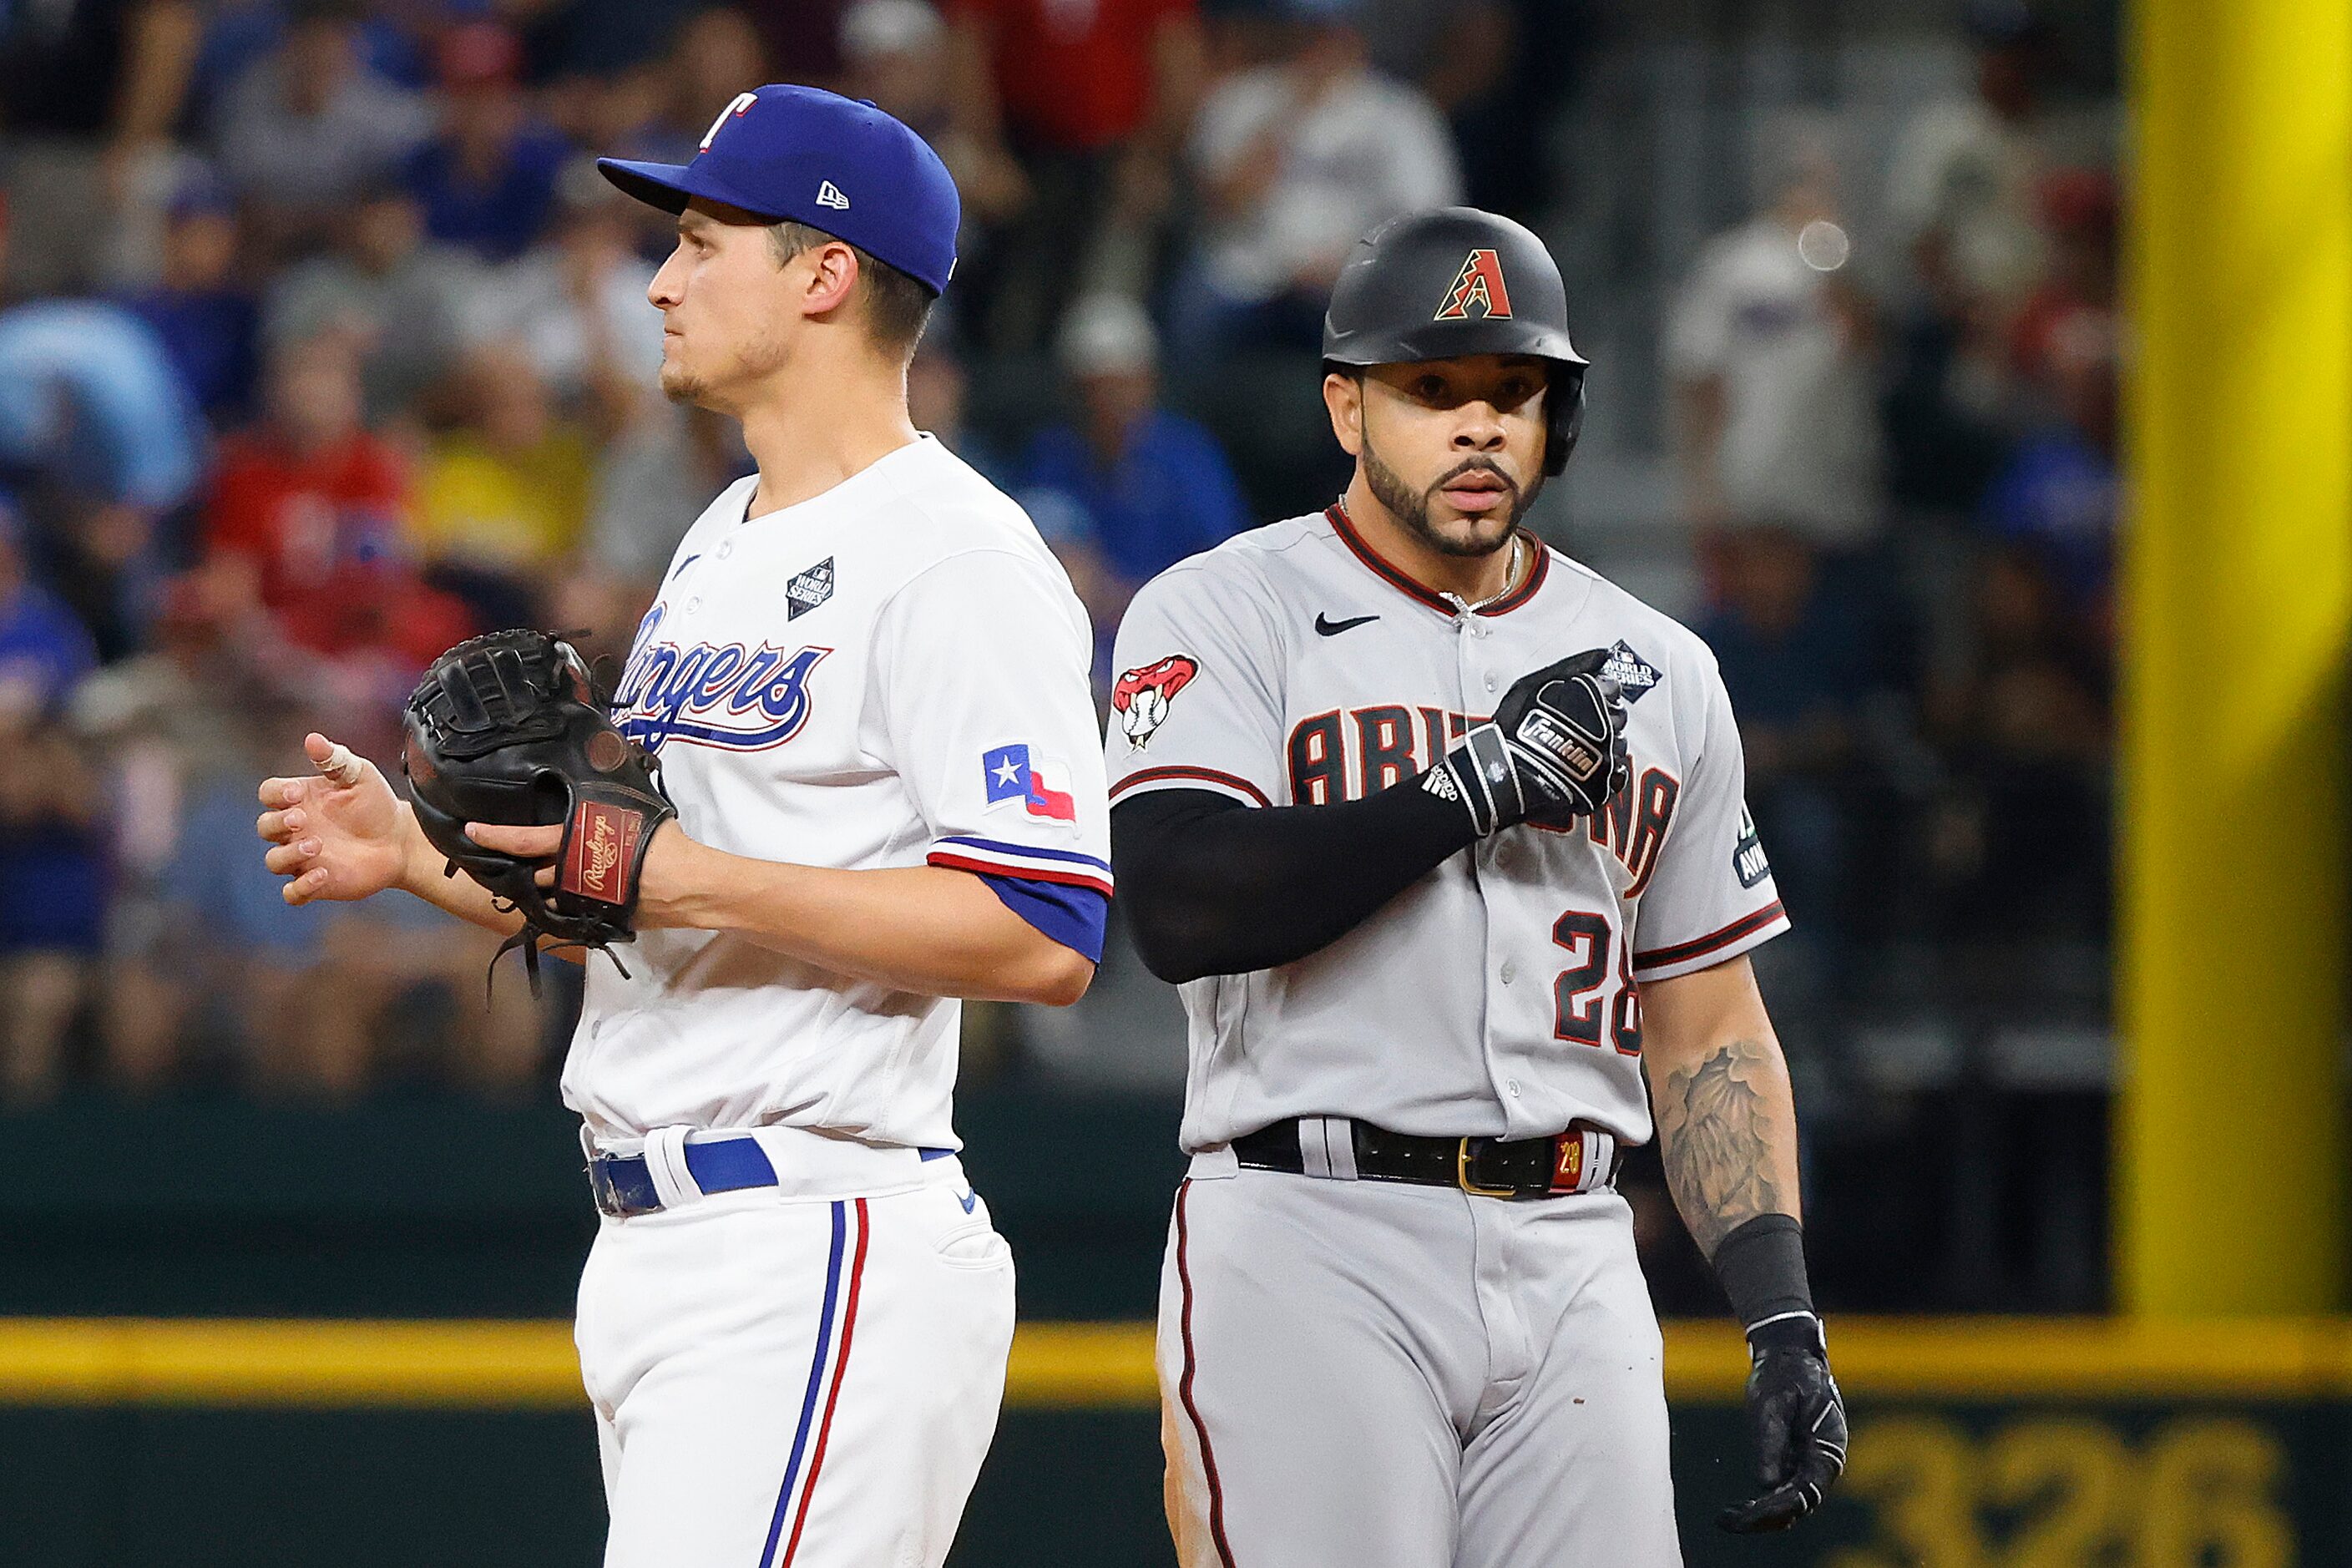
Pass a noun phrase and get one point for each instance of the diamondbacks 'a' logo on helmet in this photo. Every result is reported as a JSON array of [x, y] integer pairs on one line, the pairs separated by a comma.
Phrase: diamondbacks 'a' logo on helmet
[[1141, 696], [1479, 284]]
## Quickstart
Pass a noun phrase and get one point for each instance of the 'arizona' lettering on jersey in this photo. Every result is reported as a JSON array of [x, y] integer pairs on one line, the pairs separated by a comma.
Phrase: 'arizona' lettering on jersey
[[1513, 970]]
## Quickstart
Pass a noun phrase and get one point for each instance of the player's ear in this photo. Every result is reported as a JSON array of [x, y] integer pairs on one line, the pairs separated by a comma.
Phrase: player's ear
[[1343, 398], [833, 274]]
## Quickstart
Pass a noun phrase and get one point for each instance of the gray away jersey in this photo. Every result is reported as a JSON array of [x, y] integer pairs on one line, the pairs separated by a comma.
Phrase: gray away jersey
[[1499, 994]]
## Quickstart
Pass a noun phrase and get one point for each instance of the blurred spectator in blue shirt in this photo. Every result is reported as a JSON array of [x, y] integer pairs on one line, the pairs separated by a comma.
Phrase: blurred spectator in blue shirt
[[487, 181], [88, 399], [1130, 489], [2056, 495], [89, 402], [98, 437], [52, 862], [207, 323], [1793, 658], [44, 651]]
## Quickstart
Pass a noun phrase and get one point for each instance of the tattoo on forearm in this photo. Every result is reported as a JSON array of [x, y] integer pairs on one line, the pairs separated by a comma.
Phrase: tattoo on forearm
[[1712, 1133]]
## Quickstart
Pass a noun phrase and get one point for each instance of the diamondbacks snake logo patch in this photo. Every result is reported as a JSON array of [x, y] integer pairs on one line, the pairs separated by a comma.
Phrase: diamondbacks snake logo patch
[[1141, 696]]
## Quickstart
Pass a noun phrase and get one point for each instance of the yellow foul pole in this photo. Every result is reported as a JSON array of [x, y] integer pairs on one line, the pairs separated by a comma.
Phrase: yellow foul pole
[[2237, 611]]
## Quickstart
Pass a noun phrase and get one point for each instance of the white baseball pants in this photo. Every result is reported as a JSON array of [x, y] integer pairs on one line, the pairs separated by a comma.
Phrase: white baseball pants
[[787, 1381]]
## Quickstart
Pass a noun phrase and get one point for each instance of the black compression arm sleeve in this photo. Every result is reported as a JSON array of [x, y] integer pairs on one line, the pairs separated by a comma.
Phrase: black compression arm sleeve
[[1213, 887]]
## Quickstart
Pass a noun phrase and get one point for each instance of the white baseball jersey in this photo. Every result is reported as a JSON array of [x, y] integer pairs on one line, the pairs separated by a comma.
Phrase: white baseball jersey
[[892, 673], [1499, 994]]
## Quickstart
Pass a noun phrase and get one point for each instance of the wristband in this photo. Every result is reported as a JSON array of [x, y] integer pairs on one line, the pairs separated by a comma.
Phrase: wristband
[[1762, 1266]]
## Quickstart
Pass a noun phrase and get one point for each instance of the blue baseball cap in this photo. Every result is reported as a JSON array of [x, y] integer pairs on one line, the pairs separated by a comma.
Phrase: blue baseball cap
[[820, 159]]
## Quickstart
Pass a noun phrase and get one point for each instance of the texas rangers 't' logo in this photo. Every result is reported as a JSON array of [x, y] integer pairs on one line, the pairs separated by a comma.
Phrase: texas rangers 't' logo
[[1142, 695], [1479, 283]]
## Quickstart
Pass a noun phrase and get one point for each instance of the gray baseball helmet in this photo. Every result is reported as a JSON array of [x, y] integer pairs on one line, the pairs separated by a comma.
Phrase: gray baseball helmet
[[1454, 282]]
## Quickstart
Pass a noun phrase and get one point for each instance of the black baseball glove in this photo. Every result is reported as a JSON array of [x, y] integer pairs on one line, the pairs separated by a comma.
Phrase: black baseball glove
[[1555, 750], [509, 729], [1799, 1419]]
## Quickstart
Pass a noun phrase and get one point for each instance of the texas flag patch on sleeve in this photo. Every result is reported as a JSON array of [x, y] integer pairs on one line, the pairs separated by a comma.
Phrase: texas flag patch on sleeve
[[1012, 774]]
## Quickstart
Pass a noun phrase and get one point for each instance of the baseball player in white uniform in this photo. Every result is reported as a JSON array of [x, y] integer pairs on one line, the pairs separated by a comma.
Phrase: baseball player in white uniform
[[865, 681], [1442, 836]]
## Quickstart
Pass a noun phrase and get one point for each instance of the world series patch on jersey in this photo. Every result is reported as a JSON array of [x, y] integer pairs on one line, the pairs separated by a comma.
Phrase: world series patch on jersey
[[1293, 666], [893, 673]]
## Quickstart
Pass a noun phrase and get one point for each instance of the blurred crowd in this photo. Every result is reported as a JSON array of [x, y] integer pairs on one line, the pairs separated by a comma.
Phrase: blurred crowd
[[323, 345], [1903, 489]]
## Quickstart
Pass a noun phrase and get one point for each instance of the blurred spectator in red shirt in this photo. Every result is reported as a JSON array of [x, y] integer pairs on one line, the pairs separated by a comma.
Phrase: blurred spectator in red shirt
[[2076, 297], [1075, 74], [487, 181], [318, 507], [1094, 97]]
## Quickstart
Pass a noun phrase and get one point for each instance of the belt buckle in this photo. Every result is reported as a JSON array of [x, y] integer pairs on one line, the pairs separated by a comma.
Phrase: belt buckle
[[610, 1200], [600, 1188], [1462, 1155]]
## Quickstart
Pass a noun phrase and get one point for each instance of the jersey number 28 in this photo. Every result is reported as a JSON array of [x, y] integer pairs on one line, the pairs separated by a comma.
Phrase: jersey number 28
[[1583, 1013]]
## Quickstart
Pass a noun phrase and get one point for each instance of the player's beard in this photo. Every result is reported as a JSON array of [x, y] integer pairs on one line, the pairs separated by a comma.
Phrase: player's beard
[[1482, 535], [758, 359]]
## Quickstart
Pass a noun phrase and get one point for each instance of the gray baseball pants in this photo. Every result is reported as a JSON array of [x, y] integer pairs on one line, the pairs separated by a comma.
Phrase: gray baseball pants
[[1369, 1375]]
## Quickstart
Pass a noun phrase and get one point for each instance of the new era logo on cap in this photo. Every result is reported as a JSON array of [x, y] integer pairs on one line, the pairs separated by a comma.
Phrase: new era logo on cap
[[1479, 284], [828, 195]]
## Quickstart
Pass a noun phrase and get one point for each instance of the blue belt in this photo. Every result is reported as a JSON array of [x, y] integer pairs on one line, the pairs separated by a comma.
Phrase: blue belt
[[624, 1186]]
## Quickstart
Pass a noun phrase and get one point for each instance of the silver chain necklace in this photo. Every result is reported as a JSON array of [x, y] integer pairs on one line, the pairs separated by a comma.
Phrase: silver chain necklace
[[1510, 580]]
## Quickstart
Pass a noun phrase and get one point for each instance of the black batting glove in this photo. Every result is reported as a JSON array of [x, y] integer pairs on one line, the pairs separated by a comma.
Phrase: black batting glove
[[1799, 1418], [1555, 751]]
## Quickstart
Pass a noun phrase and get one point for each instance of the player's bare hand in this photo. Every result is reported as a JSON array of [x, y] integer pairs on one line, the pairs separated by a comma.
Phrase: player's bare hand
[[338, 833], [522, 843], [1799, 1420]]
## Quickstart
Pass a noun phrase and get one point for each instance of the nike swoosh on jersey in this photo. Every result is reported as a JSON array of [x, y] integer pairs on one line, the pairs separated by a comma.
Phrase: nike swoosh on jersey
[[1329, 627]]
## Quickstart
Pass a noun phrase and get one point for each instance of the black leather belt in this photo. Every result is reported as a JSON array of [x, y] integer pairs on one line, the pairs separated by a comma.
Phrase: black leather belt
[[1581, 1159]]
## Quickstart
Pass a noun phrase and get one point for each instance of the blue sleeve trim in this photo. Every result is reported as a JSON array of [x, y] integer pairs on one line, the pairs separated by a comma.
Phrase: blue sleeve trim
[[1040, 851], [1075, 917]]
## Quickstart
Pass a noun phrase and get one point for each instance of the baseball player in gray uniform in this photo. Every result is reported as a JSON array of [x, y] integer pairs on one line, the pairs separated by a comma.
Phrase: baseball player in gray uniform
[[1442, 836]]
